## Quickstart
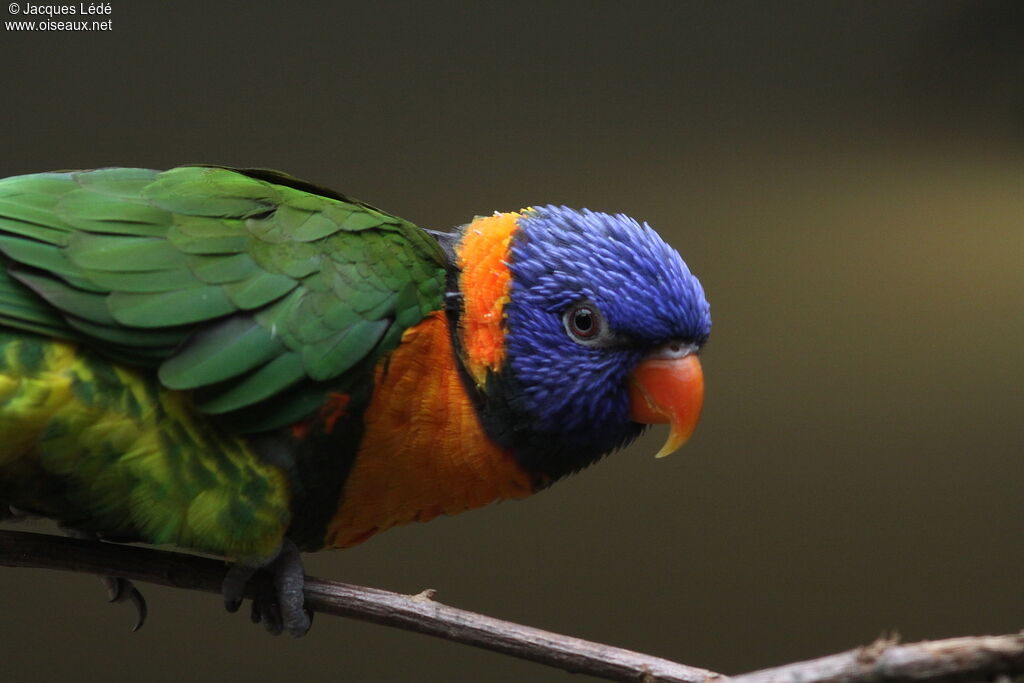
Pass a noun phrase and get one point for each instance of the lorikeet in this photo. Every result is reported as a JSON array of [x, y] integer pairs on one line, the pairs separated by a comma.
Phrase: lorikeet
[[240, 362]]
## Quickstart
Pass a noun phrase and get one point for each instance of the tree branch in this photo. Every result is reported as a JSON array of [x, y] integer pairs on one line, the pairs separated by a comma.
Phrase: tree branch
[[961, 660], [964, 660], [417, 613]]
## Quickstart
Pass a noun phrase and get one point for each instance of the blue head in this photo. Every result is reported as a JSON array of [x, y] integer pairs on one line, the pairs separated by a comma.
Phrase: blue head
[[592, 296]]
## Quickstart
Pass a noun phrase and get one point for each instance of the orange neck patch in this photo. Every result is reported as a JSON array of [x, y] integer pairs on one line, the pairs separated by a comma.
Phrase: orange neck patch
[[485, 283], [424, 451]]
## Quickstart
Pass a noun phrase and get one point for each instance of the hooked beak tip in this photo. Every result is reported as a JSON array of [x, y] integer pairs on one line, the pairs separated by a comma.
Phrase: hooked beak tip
[[668, 390]]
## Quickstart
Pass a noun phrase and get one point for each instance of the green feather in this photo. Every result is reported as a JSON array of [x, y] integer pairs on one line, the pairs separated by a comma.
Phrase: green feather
[[313, 328], [299, 262], [259, 290], [205, 236], [207, 228], [362, 220], [123, 253], [62, 296], [295, 403], [228, 349], [142, 280], [36, 232], [93, 212], [218, 269], [37, 254], [303, 225], [18, 308], [273, 378], [169, 337], [195, 191], [407, 309], [317, 323], [36, 210], [125, 183], [37, 183], [336, 354], [18, 302], [165, 309], [381, 306], [279, 316], [29, 325]]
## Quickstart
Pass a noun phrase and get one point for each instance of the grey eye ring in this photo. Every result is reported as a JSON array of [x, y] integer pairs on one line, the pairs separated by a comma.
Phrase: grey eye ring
[[583, 322]]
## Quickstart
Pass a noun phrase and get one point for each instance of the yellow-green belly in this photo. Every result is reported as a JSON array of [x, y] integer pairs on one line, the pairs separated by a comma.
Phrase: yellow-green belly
[[104, 448]]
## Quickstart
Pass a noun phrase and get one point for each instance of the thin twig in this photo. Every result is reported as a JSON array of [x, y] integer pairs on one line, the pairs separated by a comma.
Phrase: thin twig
[[956, 660], [964, 660]]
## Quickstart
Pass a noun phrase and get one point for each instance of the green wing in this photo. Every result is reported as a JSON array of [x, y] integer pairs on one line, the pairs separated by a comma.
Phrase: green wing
[[257, 290]]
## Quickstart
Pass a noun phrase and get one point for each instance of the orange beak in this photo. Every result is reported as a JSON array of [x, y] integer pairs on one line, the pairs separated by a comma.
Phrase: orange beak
[[668, 389]]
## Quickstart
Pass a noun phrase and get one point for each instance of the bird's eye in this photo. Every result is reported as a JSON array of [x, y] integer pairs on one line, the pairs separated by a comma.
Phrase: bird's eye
[[583, 322]]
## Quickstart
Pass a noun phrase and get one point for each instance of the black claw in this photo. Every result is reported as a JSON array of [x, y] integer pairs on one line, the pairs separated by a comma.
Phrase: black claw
[[234, 585], [265, 611], [123, 590], [272, 623], [118, 589], [141, 611], [115, 587]]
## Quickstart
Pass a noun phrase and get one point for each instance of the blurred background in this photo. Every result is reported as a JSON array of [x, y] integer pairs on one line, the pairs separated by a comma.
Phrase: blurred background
[[846, 178]]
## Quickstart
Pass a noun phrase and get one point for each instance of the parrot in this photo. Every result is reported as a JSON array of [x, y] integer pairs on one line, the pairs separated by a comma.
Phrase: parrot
[[238, 362]]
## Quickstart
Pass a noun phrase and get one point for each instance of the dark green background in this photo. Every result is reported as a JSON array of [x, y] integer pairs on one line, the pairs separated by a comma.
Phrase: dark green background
[[846, 178]]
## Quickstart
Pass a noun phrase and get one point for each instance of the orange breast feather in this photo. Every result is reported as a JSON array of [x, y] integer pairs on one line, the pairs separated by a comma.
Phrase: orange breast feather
[[424, 452]]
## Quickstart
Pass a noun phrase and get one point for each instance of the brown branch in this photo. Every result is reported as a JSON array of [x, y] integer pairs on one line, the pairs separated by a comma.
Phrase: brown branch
[[960, 660], [965, 660], [418, 613]]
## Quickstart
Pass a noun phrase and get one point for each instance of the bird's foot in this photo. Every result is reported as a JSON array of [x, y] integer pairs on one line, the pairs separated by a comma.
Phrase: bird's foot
[[279, 604], [118, 589]]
